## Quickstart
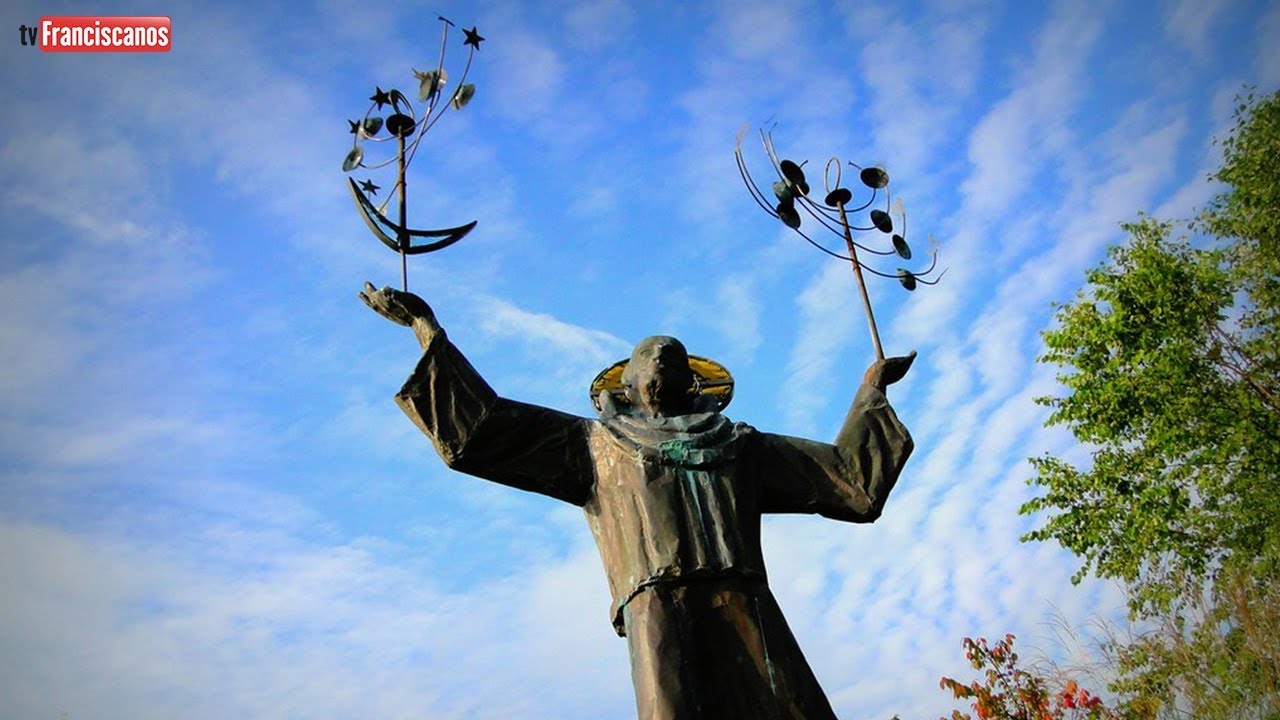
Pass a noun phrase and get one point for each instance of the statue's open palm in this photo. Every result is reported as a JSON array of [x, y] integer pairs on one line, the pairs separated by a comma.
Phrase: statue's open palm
[[888, 371], [400, 307]]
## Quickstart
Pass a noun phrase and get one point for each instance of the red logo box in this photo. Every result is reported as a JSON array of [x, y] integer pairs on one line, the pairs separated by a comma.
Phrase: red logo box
[[105, 33]]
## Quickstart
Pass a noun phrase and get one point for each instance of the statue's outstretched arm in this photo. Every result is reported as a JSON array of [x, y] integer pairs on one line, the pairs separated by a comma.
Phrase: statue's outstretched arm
[[851, 478], [474, 430]]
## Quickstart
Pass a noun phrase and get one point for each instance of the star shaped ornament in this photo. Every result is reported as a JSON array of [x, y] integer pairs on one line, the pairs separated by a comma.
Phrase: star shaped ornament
[[369, 187], [473, 38]]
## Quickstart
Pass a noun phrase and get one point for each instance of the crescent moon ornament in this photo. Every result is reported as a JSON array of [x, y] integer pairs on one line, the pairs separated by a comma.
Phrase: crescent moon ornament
[[407, 127], [398, 237]]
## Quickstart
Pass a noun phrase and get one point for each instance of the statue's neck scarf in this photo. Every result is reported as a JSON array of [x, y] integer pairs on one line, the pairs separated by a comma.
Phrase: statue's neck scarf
[[698, 439]]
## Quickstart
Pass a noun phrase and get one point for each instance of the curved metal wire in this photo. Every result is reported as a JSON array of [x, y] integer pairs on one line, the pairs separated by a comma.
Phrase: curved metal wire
[[427, 125], [824, 215], [762, 200]]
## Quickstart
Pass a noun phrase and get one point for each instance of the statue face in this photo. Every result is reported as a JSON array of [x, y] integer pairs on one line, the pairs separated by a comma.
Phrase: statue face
[[658, 378]]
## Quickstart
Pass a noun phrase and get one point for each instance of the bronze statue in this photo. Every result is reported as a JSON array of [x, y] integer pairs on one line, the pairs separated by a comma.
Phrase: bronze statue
[[673, 492]]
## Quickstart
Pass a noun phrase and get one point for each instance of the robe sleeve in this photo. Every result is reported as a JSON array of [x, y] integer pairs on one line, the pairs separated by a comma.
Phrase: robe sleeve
[[479, 433], [849, 480]]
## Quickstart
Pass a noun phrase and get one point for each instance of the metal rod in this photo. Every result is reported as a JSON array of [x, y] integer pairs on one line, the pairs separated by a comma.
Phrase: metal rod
[[403, 240], [862, 286]]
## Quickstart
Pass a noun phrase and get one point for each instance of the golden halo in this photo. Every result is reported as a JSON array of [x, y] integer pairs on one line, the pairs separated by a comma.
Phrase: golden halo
[[710, 379]]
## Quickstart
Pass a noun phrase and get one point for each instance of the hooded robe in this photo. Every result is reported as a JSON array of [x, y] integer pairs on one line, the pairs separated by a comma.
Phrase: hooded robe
[[674, 505]]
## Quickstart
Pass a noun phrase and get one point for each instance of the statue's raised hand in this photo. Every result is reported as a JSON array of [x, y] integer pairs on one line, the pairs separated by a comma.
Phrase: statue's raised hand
[[402, 308], [888, 371]]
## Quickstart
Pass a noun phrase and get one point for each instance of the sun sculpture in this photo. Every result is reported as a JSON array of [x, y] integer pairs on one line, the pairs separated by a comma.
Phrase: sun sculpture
[[407, 126], [792, 193]]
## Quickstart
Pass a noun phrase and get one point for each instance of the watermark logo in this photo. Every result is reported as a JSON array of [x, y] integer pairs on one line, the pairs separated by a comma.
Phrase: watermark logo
[[99, 33]]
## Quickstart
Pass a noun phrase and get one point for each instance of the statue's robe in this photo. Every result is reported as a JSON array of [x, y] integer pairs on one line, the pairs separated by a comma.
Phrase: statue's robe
[[675, 505]]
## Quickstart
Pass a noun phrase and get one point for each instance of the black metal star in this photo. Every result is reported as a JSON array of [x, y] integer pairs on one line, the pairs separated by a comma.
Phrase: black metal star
[[473, 38], [369, 187], [380, 97], [355, 126]]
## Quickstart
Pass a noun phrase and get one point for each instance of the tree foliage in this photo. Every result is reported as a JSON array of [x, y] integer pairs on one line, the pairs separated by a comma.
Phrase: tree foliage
[[1006, 690], [1170, 363], [1219, 660], [1170, 358]]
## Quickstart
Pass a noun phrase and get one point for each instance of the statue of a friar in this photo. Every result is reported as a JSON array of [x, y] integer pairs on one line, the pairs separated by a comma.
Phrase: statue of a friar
[[673, 492]]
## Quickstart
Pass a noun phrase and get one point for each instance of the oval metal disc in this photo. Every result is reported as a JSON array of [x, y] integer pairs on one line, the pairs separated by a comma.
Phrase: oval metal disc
[[907, 278], [838, 197], [874, 177], [353, 159], [463, 96], [400, 125], [793, 172], [900, 245], [782, 190], [787, 213], [371, 126], [882, 221], [430, 83]]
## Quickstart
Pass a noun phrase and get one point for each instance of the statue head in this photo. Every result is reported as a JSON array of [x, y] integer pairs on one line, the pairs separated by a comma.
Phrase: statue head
[[658, 379]]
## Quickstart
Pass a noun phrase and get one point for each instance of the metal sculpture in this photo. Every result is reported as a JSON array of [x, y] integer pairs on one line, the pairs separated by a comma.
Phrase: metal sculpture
[[792, 193], [402, 124], [674, 492]]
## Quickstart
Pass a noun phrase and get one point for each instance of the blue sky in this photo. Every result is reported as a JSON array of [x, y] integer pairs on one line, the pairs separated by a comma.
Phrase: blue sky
[[210, 506]]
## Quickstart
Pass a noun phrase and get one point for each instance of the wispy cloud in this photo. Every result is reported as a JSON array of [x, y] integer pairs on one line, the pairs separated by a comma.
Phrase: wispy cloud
[[1012, 139], [529, 75], [326, 631], [1008, 147], [559, 358], [1266, 60], [738, 315], [549, 334], [596, 24], [205, 469], [921, 70], [826, 324], [1189, 24]]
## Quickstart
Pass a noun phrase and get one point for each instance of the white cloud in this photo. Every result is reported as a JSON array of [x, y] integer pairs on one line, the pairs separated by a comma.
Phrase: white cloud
[[548, 334], [107, 254], [1011, 140], [214, 485], [755, 65], [1190, 23], [558, 359], [529, 74], [1266, 59], [595, 24], [760, 30], [826, 326], [737, 315], [261, 620], [920, 71]]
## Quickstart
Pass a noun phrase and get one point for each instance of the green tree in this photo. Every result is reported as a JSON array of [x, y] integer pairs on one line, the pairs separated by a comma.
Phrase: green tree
[[1171, 361], [1219, 658]]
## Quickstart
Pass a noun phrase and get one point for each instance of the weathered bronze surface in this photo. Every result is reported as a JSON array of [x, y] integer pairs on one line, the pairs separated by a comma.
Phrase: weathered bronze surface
[[673, 492]]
